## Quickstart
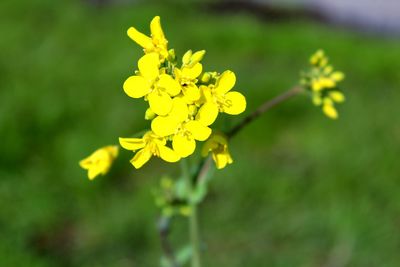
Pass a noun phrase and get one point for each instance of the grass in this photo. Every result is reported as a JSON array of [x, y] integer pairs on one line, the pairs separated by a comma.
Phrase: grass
[[304, 190]]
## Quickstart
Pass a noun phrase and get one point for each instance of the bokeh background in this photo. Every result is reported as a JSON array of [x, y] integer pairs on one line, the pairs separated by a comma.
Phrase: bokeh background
[[304, 190]]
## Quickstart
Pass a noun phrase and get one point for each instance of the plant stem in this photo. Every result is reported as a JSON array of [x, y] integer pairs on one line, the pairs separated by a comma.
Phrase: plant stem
[[263, 108], [267, 105], [193, 223]]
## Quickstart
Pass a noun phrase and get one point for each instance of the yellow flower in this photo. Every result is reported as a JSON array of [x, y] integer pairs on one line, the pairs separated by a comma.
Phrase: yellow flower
[[322, 81], [187, 77], [218, 145], [183, 130], [156, 43], [100, 161], [221, 98], [157, 88], [150, 145]]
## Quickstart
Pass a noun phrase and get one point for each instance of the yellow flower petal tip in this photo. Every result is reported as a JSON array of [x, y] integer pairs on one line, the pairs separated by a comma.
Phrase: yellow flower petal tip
[[330, 111], [100, 161]]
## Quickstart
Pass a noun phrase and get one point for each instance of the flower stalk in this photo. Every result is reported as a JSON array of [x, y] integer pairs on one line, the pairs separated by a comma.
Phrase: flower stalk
[[193, 218]]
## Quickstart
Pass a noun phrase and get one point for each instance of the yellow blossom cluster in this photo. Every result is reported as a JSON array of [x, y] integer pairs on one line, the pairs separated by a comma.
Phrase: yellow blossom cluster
[[322, 81], [184, 101]]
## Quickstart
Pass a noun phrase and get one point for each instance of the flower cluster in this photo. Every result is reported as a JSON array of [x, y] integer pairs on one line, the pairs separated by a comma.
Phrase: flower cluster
[[184, 101], [322, 81]]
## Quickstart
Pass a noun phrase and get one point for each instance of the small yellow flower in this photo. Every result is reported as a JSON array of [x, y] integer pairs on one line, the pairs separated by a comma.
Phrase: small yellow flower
[[157, 88], [156, 43], [221, 98], [100, 161], [218, 145], [183, 130], [187, 76], [322, 81], [150, 145]]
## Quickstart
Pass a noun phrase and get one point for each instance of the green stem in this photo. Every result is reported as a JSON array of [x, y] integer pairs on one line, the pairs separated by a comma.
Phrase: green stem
[[193, 220]]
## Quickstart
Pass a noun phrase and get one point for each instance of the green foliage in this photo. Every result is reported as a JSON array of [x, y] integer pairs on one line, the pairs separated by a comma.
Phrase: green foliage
[[303, 190]]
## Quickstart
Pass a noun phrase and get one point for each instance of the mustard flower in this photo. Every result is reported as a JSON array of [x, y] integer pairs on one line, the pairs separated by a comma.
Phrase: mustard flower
[[183, 131], [187, 76], [157, 88], [155, 43], [100, 161], [148, 146], [322, 82], [218, 145], [220, 98]]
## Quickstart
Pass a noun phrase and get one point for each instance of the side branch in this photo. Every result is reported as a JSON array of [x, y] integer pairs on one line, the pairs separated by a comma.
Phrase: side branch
[[206, 163], [263, 108]]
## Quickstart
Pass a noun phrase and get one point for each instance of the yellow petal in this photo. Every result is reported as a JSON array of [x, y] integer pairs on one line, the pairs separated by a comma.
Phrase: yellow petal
[[235, 103], [198, 130], [191, 92], [225, 82], [136, 87], [337, 76], [164, 126], [330, 111], [141, 39], [169, 84], [205, 94], [222, 159], [112, 151], [186, 57], [132, 143], [160, 102], [148, 66], [93, 172], [141, 158], [207, 114], [179, 111], [337, 96], [197, 57], [168, 154], [156, 30], [193, 72], [183, 145], [85, 163], [327, 83], [316, 85]]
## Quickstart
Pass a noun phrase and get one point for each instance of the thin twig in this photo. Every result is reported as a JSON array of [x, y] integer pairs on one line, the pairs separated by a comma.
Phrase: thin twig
[[206, 164], [264, 108], [203, 170]]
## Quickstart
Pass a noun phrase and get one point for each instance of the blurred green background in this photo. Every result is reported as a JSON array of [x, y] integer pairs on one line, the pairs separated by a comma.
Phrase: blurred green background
[[303, 191]]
